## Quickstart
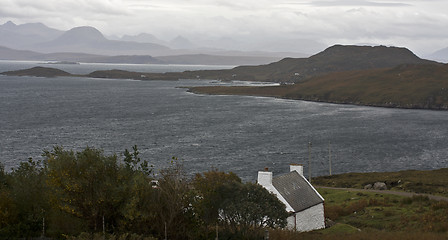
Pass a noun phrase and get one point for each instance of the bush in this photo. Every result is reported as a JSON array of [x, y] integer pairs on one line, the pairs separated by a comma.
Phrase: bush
[[440, 205]]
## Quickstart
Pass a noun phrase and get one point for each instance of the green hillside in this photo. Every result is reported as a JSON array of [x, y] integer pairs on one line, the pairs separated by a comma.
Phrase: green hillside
[[334, 59], [405, 86]]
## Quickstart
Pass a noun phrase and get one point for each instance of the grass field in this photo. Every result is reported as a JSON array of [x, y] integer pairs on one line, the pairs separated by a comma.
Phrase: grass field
[[430, 182], [359, 215]]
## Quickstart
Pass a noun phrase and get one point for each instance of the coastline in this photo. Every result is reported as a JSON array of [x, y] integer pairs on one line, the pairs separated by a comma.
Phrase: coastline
[[371, 90], [279, 92]]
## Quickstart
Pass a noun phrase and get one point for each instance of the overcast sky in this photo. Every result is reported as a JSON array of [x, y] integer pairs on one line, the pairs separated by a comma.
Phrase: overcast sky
[[421, 25]]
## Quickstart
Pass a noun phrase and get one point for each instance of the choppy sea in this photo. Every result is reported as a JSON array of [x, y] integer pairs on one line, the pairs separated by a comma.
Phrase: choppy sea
[[241, 134]]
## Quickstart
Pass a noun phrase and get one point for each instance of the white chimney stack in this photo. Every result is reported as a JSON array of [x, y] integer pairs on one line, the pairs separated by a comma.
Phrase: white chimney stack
[[296, 167], [264, 178]]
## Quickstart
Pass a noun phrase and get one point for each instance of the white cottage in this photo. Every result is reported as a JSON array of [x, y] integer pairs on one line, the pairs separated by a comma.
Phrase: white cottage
[[301, 199]]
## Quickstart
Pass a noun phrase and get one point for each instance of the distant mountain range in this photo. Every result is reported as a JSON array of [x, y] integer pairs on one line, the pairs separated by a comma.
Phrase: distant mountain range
[[25, 36], [90, 40], [84, 42], [40, 38], [195, 59]]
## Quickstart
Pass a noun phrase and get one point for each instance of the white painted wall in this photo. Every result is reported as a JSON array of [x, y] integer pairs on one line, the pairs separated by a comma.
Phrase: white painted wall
[[310, 219]]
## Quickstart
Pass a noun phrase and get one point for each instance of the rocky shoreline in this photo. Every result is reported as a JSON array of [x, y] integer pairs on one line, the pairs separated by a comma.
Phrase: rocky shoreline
[[223, 90], [404, 87]]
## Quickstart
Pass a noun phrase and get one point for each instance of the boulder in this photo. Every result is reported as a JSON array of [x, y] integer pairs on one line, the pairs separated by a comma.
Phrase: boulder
[[379, 186], [368, 186], [329, 223]]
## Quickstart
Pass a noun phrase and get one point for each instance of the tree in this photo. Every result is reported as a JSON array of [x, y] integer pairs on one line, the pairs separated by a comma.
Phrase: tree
[[24, 201], [173, 197], [242, 208], [209, 186], [252, 206], [138, 210], [86, 184], [8, 210], [135, 163]]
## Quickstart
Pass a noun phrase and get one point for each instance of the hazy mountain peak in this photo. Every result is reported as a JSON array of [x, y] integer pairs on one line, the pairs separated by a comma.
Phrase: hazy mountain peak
[[36, 25], [9, 25], [142, 38], [82, 34], [440, 55], [181, 42]]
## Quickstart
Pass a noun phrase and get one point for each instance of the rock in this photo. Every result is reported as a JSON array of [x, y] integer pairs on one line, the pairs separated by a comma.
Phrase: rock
[[329, 223], [379, 186], [368, 186]]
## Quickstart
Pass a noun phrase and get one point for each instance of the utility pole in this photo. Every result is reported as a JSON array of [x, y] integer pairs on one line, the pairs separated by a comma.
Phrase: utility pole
[[217, 232], [43, 227], [166, 237], [309, 160], [104, 228], [329, 155], [43, 223]]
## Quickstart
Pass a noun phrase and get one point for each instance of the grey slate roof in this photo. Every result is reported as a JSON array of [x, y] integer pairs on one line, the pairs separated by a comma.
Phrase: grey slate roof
[[297, 191]]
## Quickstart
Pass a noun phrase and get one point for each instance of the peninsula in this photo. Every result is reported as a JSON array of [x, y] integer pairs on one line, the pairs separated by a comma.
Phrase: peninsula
[[360, 75]]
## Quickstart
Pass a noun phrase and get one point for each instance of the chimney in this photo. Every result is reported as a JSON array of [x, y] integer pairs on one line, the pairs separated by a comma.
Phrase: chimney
[[264, 178], [296, 167]]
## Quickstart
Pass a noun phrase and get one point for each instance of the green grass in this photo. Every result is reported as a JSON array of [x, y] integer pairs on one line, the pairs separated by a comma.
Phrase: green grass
[[360, 215], [385, 212], [340, 228], [370, 215], [430, 182]]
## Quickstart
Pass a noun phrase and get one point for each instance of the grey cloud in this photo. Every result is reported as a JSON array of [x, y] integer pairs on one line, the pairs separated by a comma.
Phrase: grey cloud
[[341, 3], [379, 21]]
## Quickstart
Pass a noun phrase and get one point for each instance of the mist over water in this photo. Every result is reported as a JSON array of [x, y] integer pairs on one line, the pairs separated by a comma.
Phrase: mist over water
[[231, 133]]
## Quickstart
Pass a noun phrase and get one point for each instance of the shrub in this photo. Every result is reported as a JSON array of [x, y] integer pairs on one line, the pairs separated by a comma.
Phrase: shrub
[[439, 206]]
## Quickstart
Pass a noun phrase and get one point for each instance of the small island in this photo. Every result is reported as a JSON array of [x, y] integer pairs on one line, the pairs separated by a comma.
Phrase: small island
[[39, 72]]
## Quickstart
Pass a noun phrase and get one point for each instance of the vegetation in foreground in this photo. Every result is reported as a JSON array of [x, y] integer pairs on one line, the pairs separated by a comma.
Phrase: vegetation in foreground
[[359, 215], [88, 195]]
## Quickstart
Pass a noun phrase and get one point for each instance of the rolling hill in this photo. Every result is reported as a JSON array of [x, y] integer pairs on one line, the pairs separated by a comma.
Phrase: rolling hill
[[334, 59], [421, 86]]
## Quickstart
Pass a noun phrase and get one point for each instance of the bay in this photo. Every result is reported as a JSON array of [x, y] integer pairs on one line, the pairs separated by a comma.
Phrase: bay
[[231, 133]]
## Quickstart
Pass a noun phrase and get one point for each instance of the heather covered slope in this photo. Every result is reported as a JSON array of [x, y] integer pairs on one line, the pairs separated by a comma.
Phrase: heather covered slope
[[404, 86], [337, 58]]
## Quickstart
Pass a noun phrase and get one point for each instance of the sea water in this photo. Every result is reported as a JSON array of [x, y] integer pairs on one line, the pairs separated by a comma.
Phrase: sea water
[[241, 134]]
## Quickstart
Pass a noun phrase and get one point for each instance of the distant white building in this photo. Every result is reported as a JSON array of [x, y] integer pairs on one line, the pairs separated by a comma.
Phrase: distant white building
[[301, 199]]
